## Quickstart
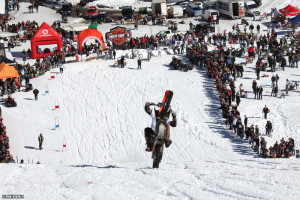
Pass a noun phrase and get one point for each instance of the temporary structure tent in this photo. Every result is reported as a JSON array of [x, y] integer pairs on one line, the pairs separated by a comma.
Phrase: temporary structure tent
[[290, 11], [295, 20], [89, 34], [45, 35], [7, 71], [284, 10], [6, 60]]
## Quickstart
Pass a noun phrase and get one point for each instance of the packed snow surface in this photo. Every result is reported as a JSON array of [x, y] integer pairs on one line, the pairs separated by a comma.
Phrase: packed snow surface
[[102, 118]]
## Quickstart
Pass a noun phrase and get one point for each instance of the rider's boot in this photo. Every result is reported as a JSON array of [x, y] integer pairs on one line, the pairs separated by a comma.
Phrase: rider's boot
[[168, 143], [148, 146], [148, 149]]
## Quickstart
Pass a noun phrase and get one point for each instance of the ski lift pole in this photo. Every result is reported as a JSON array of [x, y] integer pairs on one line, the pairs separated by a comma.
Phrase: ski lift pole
[[57, 123], [46, 89]]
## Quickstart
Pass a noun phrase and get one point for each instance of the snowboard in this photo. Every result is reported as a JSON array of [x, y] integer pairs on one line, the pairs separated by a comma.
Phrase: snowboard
[[163, 111]]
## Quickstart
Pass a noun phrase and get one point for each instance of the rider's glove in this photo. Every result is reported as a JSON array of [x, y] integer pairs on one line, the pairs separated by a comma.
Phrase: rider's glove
[[160, 104], [173, 115]]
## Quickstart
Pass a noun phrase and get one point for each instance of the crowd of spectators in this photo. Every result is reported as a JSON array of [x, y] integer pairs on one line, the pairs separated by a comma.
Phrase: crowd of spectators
[[221, 64], [5, 156]]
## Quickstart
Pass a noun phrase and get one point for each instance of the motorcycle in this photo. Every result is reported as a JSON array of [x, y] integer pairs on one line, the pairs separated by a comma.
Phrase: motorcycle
[[159, 139], [136, 54], [182, 22], [244, 21], [118, 62]]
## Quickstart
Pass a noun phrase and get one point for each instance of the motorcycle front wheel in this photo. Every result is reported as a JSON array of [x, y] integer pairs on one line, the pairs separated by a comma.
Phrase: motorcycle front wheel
[[157, 155]]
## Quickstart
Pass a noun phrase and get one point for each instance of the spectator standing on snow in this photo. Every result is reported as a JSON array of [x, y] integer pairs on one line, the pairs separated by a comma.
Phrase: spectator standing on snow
[[283, 62], [265, 111], [36, 92], [257, 130], [37, 6], [114, 53], [258, 28], [277, 78], [77, 10], [287, 85], [269, 128], [238, 99], [139, 63], [41, 140], [254, 87], [61, 68], [245, 121], [297, 154], [260, 90], [251, 28]]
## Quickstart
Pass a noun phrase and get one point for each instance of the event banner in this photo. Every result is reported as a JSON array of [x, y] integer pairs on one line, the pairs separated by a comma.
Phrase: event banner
[[118, 35]]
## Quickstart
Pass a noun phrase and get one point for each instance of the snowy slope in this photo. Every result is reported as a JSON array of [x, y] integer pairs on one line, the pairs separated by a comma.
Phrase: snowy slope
[[102, 117]]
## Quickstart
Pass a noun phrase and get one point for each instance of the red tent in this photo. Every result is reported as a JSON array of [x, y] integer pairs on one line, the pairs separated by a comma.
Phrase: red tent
[[283, 10], [45, 35], [88, 34], [290, 11]]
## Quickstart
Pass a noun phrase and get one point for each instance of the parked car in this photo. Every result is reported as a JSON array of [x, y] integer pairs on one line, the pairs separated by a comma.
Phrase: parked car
[[200, 4], [208, 13], [103, 18], [258, 2], [56, 5], [47, 3], [127, 12], [193, 9], [66, 8], [92, 12], [179, 2], [84, 2], [184, 4], [176, 11]]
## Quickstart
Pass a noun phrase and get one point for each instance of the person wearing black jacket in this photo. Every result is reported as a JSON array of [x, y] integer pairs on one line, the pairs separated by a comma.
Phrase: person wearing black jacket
[[238, 98], [245, 120], [139, 63], [36, 92], [265, 111], [269, 128], [256, 93], [260, 90], [114, 54], [122, 61], [254, 87], [257, 72], [41, 140], [283, 63], [271, 63]]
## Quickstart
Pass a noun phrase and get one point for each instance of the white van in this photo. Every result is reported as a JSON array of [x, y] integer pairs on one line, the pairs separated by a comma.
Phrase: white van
[[251, 8], [233, 8], [176, 11], [207, 13]]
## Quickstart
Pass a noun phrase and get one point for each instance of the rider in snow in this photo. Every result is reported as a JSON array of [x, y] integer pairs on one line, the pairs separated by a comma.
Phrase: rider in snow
[[150, 132]]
